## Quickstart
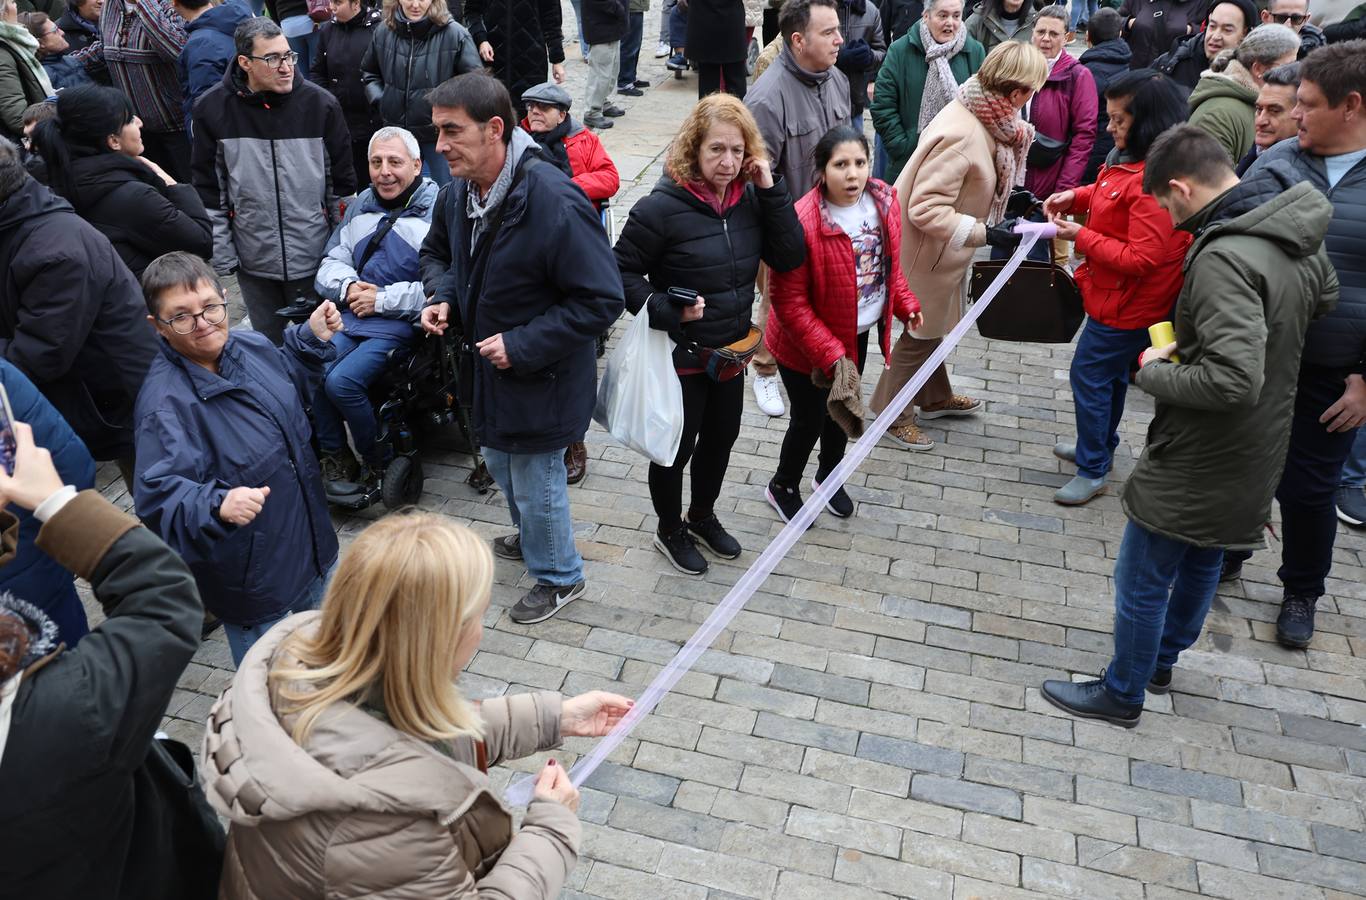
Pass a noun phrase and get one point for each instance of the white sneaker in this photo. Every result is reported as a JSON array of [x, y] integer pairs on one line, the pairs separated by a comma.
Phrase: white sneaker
[[767, 393], [662, 49]]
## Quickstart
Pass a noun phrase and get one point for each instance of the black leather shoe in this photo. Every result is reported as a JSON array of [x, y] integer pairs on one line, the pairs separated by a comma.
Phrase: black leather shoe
[[1090, 700], [1295, 624], [630, 90], [1161, 682], [1232, 568]]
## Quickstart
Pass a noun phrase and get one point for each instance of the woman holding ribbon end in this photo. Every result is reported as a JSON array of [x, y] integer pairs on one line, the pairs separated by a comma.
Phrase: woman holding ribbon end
[[957, 186], [688, 257], [350, 764]]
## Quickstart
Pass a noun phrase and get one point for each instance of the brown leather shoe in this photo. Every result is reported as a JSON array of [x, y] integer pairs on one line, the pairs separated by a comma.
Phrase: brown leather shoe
[[575, 462]]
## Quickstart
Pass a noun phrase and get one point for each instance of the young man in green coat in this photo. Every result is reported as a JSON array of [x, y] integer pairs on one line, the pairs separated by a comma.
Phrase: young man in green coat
[[1225, 388], [906, 83]]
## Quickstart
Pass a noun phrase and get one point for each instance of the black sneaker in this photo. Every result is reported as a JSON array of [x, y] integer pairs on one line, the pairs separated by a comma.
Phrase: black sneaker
[[341, 466], [1295, 624], [612, 112], [630, 90], [1351, 505], [786, 500], [544, 600], [839, 503], [1161, 682], [716, 538], [680, 549], [1232, 569], [509, 546], [641, 83]]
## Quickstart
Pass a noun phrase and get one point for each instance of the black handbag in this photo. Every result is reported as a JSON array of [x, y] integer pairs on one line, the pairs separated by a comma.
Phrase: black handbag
[[1040, 304], [1044, 151]]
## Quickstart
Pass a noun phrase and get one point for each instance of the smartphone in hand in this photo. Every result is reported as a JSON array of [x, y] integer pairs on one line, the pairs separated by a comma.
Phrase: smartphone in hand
[[7, 444], [681, 296]]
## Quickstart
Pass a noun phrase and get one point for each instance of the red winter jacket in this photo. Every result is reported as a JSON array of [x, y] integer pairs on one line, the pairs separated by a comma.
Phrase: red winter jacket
[[814, 319], [1133, 268], [594, 171]]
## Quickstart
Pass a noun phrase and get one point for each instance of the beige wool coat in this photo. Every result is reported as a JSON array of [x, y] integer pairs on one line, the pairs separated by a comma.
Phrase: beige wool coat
[[366, 811], [948, 184]]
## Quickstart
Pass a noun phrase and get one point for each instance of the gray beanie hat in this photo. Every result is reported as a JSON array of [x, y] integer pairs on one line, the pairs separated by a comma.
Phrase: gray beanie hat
[[549, 93]]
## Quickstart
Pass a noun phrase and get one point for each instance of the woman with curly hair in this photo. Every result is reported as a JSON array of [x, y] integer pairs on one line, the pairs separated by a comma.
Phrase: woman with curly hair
[[716, 212]]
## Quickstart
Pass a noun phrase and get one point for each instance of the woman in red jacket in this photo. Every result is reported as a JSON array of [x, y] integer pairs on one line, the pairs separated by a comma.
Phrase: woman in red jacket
[[824, 308], [1131, 276]]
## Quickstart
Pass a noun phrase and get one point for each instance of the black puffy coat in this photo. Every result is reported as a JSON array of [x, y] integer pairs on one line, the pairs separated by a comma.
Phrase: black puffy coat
[[526, 38], [605, 21], [716, 31], [1184, 62], [72, 317], [674, 239], [336, 68], [133, 207], [1157, 24], [408, 59]]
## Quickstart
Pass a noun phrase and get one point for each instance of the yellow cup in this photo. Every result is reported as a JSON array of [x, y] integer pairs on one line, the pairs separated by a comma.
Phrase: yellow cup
[[1162, 334]]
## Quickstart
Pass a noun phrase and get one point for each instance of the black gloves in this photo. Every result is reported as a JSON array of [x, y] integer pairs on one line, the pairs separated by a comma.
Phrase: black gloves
[[1003, 236], [1021, 203], [855, 55]]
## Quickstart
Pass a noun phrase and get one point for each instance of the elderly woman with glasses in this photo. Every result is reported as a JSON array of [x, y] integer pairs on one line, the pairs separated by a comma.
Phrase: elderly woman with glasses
[[224, 471]]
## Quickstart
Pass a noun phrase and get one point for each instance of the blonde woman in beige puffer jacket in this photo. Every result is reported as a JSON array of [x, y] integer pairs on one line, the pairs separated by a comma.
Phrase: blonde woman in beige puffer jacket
[[350, 765]]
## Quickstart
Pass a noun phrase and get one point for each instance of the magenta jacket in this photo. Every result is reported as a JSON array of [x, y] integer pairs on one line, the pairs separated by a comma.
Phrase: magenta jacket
[[1065, 107]]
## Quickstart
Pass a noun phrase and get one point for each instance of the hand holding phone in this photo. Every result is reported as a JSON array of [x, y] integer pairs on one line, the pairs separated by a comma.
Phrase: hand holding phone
[[28, 476]]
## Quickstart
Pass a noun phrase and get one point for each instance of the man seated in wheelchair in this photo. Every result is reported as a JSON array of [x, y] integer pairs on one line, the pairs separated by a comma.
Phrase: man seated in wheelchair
[[371, 270]]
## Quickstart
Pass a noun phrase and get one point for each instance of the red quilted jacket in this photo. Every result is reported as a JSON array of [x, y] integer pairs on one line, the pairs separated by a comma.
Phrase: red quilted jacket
[[1133, 269], [814, 319]]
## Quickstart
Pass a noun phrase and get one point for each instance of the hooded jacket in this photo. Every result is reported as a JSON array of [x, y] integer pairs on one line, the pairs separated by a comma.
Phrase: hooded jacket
[[900, 86], [794, 109], [1339, 339], [1105, 61], [408, 59], [80, 33], [209, 50], [201, 434], [814, 319], [142, 217], [1184, 62], [270, 169], [364, 810], [1223, 104], [674, 239], [1256, 274], [525, 36], [1064, 109], [336, 67], [1157, 23], [72, 317], [86, 817]]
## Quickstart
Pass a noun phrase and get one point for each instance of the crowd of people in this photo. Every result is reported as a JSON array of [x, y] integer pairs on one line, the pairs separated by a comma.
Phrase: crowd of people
[[417, 169]]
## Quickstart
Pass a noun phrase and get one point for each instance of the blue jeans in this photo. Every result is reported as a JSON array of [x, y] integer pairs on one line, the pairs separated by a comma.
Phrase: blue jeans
[[1082, 11], [434, 165], [881, 160], [1354, 470], [345, 394], [1163, 589], [856, 122], [578, 18], [630, 50], [241, 637], [538, 501], [1100, 380]]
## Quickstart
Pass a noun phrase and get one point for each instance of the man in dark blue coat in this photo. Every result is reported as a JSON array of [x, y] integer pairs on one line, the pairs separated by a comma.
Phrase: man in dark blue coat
[[225, 471], [518, 254], [209, 48]]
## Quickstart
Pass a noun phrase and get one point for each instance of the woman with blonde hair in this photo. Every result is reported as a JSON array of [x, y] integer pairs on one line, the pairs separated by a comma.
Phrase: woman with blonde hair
[[419, 47], [351, 765], [688, 256], [957, 185]]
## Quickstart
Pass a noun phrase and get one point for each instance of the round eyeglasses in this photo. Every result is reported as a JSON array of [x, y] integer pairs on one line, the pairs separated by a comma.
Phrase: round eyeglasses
[[186, 323]]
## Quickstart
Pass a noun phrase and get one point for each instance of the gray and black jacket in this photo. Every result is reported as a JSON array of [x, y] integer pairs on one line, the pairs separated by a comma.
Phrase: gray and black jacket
[[270, 169], [1337, 340]]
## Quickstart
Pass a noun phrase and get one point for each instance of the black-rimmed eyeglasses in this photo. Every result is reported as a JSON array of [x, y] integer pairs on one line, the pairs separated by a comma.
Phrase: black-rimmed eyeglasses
[[276, 60], [186, 323]]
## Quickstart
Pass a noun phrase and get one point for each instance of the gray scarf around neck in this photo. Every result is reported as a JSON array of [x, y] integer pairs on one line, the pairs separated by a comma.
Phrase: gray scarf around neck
[[940, 85], [479, 210]]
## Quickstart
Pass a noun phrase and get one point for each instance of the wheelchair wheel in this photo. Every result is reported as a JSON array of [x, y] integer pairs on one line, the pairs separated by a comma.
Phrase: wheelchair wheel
[[402, 482]]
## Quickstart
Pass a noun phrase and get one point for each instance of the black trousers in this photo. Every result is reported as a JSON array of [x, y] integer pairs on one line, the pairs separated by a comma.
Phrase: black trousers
[[809, 422], [1313, 466], [710, 75], [170, 150], [711, 423]]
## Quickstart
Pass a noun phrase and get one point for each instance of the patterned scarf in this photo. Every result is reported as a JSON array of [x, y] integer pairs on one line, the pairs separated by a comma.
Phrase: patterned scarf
[[939, 81], [1012, 134]]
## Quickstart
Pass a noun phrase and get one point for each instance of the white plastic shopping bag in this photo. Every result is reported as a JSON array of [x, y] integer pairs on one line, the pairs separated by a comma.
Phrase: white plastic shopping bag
[[640, 401]]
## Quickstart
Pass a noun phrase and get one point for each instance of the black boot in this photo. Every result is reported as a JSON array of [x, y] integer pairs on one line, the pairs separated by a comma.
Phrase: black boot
[[1295, 624], [1090, 700]]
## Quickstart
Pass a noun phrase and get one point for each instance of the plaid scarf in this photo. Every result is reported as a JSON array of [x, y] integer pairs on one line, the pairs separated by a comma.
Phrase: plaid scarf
[[1012, 135]]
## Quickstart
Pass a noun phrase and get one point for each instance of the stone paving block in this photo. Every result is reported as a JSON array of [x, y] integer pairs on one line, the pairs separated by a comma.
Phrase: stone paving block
[[783, 850], [872, 669], [707, 712], [1340, 842], [860, 773], [1169, 780], [966, 795], [1058, 880], [749, 809], [1149, 866], [1019, 776], [797, 886], [743, 877], [1066, 758], [913, 815], [1216, 881], [820, 684], [1309, 868], [965, 888], [1135, 801], [1097, 823], [621, 848], [1005, 747], [630, 782], [858, 718], [681, 764], [806, 734], [1234, 853], [1340, 813], [668, 824], [961, 858], [1020, 838], [780, 651], [1224, 713], [1250, 823], [910, 755], [902, 879], [614, 882], [843, 831], [789, 788], [968, 687], [745, 749], [1288, 750], [923, 705], [695, 796], [1025, 724], [932, 613]]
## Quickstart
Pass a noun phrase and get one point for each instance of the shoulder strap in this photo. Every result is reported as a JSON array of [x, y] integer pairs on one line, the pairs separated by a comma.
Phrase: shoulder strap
[[385, 226]]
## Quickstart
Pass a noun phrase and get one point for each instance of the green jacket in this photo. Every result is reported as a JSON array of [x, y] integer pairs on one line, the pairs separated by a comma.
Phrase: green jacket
[[1223, 105], [1255, 276], [985, 26], [900, 84], [19, 86]]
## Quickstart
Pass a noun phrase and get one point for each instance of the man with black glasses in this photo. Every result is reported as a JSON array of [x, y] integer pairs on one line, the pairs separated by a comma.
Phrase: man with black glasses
[[271, 160]]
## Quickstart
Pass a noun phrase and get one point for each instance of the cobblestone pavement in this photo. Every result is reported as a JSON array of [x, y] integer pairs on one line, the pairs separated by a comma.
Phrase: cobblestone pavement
[[871, 726]]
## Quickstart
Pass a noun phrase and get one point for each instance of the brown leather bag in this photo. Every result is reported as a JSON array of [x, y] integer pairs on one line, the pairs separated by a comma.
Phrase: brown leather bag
[[1039, 305]]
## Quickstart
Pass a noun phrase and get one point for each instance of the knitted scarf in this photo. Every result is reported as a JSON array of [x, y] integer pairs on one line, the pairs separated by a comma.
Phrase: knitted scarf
[[939, 81], [1012, 135], [25, 47]]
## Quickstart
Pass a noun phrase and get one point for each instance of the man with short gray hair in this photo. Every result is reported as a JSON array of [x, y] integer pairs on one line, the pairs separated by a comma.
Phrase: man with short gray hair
[[271, 160], [1272, 119]]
